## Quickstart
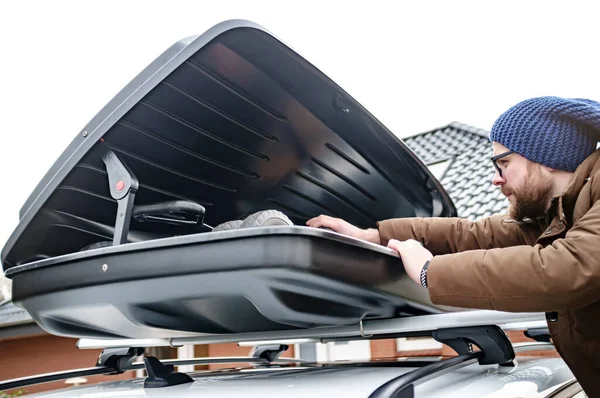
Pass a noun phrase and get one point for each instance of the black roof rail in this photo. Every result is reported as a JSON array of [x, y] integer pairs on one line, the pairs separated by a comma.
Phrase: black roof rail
[[403, 386], [110, 361], [494, 345], [161, 373], [55, 376]]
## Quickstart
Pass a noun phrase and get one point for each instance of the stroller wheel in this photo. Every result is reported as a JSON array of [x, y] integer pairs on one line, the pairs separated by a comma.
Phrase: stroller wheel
[[226, 226]]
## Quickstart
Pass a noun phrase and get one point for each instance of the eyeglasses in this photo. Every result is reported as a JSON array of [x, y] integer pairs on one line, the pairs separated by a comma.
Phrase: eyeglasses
[[495, 158]]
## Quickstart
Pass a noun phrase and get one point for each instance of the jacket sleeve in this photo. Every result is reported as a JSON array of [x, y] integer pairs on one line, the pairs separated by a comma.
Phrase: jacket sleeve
[[561, 276], [451, 235]]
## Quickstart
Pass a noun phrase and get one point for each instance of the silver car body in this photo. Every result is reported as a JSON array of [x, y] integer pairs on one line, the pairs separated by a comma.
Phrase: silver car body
[[532, 377]]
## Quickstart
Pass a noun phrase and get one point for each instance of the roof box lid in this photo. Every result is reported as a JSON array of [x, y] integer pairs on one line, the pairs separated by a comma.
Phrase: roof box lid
[[235, 121]]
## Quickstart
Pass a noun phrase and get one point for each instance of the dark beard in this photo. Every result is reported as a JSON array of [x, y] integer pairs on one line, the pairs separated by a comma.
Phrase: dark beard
[[533, 198]]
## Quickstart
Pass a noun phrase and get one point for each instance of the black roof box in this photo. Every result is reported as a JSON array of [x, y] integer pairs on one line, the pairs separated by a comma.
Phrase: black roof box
[[218, 127], [237, 281]]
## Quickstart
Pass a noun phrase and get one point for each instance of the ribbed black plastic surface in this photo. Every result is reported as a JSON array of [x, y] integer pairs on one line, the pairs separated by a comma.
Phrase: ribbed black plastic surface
[[237, 122]]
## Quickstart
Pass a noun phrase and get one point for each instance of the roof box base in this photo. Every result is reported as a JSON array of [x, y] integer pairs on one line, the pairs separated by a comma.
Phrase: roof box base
[[259, 279]]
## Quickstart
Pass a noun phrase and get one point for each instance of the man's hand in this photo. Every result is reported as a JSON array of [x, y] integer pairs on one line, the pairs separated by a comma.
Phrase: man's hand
[[414, 256], [345, 228]]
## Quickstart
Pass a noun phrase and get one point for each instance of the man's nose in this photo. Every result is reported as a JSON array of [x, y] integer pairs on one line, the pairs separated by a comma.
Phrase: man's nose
[[498, 180]]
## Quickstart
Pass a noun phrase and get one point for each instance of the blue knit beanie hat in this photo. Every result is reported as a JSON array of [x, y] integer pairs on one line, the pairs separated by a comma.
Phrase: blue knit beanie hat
[[553, 131]]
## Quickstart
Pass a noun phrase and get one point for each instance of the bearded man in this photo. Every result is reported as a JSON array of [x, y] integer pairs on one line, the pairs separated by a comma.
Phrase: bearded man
[[544, 255]]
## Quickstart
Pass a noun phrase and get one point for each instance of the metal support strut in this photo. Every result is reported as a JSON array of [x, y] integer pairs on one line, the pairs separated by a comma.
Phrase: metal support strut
[[123, 186]]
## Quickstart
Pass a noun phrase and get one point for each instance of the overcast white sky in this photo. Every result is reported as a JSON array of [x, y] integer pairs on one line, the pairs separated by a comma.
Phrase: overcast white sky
[[415, 66]]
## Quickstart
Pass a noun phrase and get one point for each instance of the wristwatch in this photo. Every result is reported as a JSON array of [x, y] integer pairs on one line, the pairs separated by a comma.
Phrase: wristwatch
[[423, 277]]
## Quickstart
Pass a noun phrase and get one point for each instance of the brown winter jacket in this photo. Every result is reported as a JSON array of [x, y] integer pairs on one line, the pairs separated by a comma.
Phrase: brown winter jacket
[[550, 265]]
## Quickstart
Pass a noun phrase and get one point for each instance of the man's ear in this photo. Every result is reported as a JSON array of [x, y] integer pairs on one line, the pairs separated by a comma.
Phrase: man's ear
[[549, 171]]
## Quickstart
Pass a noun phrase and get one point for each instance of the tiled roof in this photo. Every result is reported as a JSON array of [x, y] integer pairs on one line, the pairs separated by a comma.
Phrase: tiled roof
[[10, 314], [468, 177]]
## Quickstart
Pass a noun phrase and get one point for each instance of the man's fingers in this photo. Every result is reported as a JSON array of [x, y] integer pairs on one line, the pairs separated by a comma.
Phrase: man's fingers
[[321, 221], [397, 245], [404, 245], [394, 244], [315, 221]]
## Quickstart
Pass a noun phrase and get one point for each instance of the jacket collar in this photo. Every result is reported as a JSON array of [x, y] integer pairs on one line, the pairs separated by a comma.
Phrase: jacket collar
[[589, 167]]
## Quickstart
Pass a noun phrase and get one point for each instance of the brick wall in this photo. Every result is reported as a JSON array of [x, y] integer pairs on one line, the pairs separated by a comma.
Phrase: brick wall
[[45, 354], [383, 348]]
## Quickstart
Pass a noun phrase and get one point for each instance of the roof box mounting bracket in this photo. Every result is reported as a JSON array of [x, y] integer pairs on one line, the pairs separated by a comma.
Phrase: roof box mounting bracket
[[120, 359], [491, 340], [270, 352], [539, 334], [160, 375], [123, 186]]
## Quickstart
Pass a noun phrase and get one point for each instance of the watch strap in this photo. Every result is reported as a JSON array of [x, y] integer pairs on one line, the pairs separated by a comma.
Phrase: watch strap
[[423, 277]]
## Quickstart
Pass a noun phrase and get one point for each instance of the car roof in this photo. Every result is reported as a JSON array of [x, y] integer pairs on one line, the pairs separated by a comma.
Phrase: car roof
[[530, 375]]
